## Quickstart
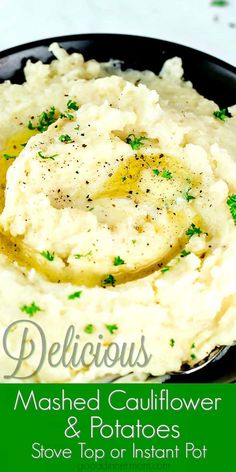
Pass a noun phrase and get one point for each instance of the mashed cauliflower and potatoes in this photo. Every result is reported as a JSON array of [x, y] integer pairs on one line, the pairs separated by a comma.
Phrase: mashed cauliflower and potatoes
[[118, 211]]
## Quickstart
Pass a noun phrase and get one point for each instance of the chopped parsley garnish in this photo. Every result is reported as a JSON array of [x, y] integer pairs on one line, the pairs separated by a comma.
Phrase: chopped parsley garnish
[[219, 3], [77, 128], [192, 355], [118, 261], [222, 114], [48, 255], [44, 120], [231, 202], [78, 256], [187, 196], [184, 253], [30, 309], [65, 138], [123, 179], [172, 342], [111, 328], [89, 328], [166, 174], [40, 154], [165, 269], [30, 125], [134, 241], [7, 157], [109, 280], [135, 142], [193, 229], [74, 295], [67, 115], [23, 144], [72, 105]]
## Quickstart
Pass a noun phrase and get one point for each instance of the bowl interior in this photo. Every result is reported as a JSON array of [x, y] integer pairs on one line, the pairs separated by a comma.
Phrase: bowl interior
[[212, 78]]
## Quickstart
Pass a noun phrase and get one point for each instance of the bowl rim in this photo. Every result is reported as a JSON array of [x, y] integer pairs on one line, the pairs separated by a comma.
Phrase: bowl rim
[[93, 36]]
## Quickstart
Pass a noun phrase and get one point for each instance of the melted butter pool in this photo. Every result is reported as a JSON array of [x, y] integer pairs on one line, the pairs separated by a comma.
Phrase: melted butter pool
[[134, 179], [127, 181]]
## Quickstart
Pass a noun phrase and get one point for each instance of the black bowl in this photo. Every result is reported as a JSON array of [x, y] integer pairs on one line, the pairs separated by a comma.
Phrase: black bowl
[[212, 78]]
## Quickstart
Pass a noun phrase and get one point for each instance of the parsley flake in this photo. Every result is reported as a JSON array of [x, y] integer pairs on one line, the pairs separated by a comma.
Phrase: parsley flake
[[30, 125], [222, 114], [166, 174], [219, 3], [72, 105], [89, 328], [187, 196], [44, 120], [184, 253], [231, 202], [78, 256], [111, 328], [30, 309], [135, 142], [172, 342], [74, 295], [48, 255], [193, 229], [40, 154], [67, 115], [109, 280], [165, 269], [118, 261], [65, 138]]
